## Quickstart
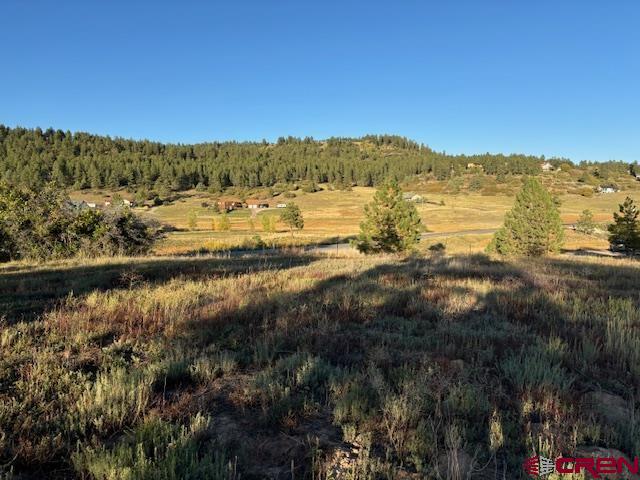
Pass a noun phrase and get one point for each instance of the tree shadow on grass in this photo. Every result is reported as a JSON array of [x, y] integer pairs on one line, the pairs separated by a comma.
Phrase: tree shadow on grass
[[464, 329], [492, 317], [26, 292]]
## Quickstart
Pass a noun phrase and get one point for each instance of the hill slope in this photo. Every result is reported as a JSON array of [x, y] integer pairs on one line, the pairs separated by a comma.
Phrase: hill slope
[[82, 160]]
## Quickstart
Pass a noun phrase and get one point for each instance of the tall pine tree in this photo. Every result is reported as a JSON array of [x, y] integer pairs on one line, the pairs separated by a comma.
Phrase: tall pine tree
[[624, 232], [391, 224], [533, 226]]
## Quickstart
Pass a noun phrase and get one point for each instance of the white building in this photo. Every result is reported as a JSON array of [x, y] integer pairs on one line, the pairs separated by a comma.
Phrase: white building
[[257, 203]]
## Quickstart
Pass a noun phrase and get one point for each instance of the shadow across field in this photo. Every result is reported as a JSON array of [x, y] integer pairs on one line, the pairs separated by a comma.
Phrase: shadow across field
[[591, 252], [412, 363], [26, 292], [483, 336]]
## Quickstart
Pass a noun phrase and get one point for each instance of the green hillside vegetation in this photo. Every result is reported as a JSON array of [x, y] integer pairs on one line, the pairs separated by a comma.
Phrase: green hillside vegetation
[[80, 160]]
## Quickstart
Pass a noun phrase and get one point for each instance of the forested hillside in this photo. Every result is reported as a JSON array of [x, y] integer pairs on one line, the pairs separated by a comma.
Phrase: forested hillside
[[81, 160], [33, 157]]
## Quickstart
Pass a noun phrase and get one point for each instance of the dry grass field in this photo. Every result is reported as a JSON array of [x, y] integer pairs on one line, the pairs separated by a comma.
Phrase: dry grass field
[[334, 215], [312, 367]]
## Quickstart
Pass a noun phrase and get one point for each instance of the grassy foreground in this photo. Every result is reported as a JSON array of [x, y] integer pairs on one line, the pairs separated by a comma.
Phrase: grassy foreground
[[314, 367]]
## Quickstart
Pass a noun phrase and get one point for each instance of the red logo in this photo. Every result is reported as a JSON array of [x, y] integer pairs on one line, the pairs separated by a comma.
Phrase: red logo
[[538, 466], [531, 466], [596, 466]]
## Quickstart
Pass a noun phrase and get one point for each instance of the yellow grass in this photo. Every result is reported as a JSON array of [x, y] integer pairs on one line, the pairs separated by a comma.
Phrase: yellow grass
[[333, 215]]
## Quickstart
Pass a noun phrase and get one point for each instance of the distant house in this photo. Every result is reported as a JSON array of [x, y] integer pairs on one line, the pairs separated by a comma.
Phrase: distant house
[[228, 205], [412, 197], [281, 205], [607, 189], [547, 167], [253, 203], [474, 165]]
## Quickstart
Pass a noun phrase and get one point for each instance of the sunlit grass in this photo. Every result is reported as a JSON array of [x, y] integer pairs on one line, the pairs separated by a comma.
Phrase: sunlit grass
[[334, 215], [171, 365]]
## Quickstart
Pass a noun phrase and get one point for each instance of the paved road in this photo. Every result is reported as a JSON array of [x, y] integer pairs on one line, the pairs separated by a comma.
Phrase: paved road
[[344, 247], [459, 233]]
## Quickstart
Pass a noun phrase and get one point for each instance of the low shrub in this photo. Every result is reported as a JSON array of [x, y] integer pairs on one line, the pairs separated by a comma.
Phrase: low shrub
[[45, 224], [437, 247], [157, 450], [117, 398], [291, 385], [536, 368]]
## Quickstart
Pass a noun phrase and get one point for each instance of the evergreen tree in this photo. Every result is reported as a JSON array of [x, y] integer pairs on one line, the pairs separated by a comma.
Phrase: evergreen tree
[[533, 226], [267, 223], [193, 219], [624, 232], [7, 245], [292, 217], [59, 175], [585, 223], [391, 224], [224, 224]]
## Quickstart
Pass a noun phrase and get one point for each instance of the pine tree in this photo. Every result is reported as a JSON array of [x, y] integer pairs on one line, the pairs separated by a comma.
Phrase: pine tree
[[585, 223], [292, 217], [533, 226], [267, 223], [7, 244], [193, 219], [391, 224], [60, 174], [224, 224], [624, 232]]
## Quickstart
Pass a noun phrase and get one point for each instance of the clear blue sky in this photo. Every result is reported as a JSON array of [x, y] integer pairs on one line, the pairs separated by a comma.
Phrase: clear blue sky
[[560, 78]]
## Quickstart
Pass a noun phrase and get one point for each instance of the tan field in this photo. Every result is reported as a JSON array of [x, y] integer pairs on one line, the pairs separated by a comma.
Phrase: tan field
[[334, 216]]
